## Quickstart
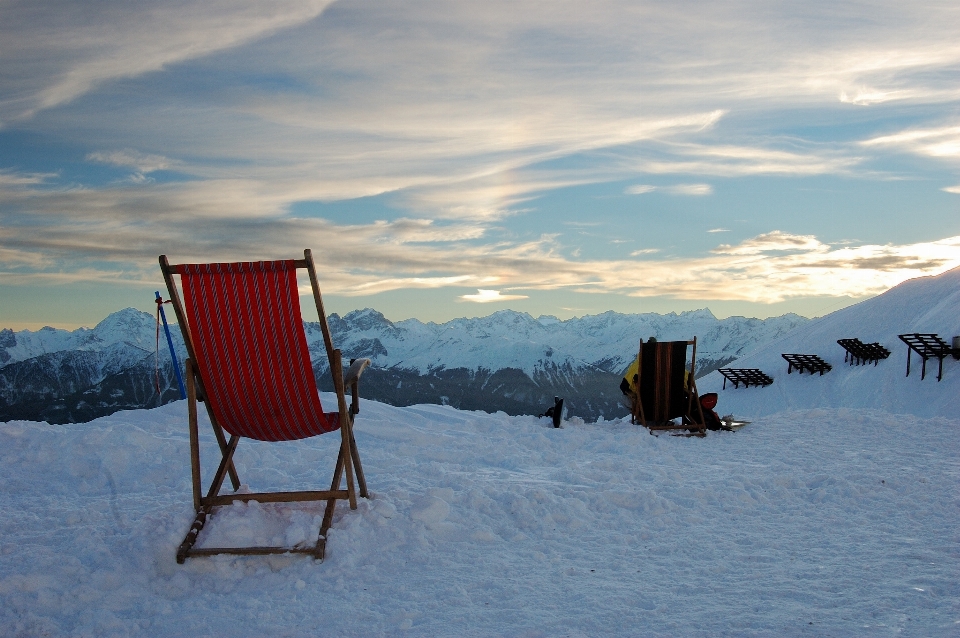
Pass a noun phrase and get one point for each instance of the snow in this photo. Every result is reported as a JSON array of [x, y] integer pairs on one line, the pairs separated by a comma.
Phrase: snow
[[925, 304], [833, 513], [815, 522]]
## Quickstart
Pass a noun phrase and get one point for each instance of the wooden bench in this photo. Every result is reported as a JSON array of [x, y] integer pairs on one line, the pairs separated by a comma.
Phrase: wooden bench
[[927, 345], [859, 352], [746, 376], [810, 362]]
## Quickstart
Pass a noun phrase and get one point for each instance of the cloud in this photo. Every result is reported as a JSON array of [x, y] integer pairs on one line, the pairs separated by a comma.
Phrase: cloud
[[736, 161], [128, 158], [461, 118], [115, 235], [773, 241], [719, 230], [952, 189], [489, 296], [691, 189], [12, 179], [866, 97], [403, 283], [675, 189], [940, 142], [60, 52]]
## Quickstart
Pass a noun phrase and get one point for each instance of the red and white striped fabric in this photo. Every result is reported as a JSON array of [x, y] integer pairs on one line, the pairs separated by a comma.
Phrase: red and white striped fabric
[[251, 350]]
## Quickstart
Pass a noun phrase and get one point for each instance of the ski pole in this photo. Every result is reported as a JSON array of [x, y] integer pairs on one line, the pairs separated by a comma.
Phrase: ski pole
[[173, 353]]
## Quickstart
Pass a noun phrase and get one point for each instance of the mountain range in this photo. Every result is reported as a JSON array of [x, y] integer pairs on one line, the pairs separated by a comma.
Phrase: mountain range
[[507, 361]]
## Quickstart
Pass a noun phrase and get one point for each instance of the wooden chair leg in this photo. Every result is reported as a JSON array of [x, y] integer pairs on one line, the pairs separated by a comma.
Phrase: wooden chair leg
[[194, 434], [332, 503], [357, 467], [225, 463]]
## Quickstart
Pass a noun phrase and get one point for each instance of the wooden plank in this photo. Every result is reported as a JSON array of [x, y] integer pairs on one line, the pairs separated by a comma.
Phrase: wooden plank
[[251, 551], [277, 497]]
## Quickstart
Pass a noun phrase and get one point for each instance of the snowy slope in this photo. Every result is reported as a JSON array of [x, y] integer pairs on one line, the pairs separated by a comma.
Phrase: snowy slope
[[925, 304], [818, 523]]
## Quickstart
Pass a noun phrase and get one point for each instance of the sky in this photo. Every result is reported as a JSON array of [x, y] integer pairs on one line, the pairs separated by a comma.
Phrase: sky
[[453, 159]]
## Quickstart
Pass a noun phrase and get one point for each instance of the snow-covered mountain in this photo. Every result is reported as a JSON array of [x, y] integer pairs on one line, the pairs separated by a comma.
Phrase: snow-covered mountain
[[506, 361], [924, 305], [509, 339], [64, 376], [514, 362]]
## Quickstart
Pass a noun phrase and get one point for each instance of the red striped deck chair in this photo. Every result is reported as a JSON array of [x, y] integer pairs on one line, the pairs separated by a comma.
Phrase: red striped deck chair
[[249, 365], [666, 393]]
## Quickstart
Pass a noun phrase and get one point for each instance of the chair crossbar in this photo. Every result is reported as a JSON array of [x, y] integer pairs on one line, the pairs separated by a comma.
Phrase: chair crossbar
[[927, 345], [746, 376], [277, 497], [860, 353], [809, 362]]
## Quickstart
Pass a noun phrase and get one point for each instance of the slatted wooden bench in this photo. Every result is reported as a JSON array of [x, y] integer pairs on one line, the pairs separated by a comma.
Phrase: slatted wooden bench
[[927, 345], [809, 362], [859, 352], [746, 376]]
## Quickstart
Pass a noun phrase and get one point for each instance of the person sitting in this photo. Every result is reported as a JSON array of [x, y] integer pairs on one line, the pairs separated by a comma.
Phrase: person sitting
[[628, 385], [710, 418]]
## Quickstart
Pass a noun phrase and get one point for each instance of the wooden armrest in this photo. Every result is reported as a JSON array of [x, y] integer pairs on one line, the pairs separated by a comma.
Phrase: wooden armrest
[[354, 371]]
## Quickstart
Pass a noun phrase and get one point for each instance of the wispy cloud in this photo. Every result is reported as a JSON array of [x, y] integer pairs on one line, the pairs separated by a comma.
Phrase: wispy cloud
[[129, 158], [735, 161], [65, 52], [463, 118], [952, 189], [489, 296], [941, 142], [691, 189], [12, 179], [773, 241], [719, 230], [866, 97], [115, 235], [674, 189]]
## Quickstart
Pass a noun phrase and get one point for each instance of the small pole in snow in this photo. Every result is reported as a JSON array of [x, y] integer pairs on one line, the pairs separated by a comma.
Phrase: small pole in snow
[[173, 353]]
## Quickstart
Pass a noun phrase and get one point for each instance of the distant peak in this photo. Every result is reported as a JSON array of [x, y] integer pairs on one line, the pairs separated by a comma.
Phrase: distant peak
[[125, 316], [702, 313], [366, 319]]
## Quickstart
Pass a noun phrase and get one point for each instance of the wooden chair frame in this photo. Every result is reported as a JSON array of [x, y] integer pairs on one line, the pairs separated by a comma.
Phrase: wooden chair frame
[[348, 457], [688, 420]]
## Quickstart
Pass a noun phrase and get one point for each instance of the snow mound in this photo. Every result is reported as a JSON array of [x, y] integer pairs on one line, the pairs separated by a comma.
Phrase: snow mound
[[925, 304]]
